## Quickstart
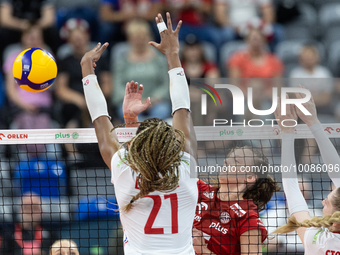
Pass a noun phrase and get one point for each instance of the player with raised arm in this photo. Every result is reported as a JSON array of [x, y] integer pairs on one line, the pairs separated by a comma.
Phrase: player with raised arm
[[227, 217], [320, 236], [152, 181]]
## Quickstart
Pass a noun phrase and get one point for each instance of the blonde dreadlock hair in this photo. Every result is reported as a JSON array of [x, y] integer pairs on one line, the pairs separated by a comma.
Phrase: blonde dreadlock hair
[[326, 221], [154, 154]]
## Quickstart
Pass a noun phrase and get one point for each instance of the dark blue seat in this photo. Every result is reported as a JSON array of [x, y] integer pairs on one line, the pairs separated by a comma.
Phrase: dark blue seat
[[43, 177]]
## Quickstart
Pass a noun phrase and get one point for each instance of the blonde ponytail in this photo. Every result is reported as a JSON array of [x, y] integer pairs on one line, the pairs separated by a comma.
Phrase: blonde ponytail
[[293, 224]]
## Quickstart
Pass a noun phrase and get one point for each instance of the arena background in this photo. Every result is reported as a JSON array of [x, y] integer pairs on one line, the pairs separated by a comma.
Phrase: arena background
[[298, 39]]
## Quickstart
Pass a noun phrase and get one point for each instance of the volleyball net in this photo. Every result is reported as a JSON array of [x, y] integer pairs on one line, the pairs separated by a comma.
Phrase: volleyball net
[[75, 199]]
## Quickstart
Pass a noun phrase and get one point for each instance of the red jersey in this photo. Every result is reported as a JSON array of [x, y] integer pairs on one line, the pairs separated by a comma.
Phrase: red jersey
[[223, 222]]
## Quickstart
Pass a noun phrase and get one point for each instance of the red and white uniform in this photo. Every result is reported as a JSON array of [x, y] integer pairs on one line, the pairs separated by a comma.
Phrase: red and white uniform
[[320, 241], [223, 222], [160, 223]]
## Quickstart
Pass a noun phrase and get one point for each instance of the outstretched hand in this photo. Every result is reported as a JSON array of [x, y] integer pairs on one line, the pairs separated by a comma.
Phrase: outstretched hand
[[132, 104], [310, 120], [286, 119], [88, 62], [169, 38]]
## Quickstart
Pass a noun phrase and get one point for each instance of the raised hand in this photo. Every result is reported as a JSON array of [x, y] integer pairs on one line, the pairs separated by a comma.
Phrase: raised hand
[[169, 38], [88, 62], [132, 104], [310, 120], [290, 114]]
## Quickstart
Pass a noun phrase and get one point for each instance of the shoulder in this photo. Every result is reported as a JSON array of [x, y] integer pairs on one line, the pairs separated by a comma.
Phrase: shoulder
[[324, 72], [316, 238], [239, 55], [205, 190], [297, 72], [118, 158], [209, 65]]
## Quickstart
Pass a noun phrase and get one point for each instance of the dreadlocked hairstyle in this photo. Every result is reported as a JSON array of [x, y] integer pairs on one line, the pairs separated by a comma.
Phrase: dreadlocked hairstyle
[[326, 221], [264, 187], [155, 155]]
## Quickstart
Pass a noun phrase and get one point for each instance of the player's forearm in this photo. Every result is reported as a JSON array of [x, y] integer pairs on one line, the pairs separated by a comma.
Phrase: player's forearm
[[328, 152], [173, 60], [130, 119], [86, 66], [295, 199]]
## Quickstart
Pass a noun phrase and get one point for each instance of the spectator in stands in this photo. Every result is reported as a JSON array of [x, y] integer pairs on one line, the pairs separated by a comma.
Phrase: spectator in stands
[[145, 65], [194, 61], [17, 16], [69, 88], [64, 247], [196, 65], [28, 235], [194, 14], [255, 61], [310, 70], [319, 80], [29, 110], [240, 15], [114, 13]]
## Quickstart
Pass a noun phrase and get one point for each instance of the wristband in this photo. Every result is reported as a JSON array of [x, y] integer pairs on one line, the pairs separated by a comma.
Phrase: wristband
[[126, 117], [179, 90], [94, 97]]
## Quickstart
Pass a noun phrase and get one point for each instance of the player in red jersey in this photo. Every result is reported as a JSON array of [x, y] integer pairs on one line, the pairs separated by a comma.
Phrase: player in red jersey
[[227, 216]]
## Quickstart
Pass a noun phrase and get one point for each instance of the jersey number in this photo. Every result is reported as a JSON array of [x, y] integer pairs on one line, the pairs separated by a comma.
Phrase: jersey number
[[157, 203]]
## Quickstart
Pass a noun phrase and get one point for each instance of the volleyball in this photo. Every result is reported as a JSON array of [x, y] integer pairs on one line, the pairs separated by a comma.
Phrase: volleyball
[[34, 70]]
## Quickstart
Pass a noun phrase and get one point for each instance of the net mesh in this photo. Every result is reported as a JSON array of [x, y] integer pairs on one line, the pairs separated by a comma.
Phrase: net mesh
[[62, 175]]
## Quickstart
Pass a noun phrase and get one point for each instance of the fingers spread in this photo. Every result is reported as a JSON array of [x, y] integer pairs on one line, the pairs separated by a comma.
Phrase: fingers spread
[[140, 91], [169, 20], [160, 18], [178, 27], [135, 87], [154, 44], [127, 89]]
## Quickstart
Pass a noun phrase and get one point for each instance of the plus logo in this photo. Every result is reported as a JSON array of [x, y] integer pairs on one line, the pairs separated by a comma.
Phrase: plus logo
[[1, 136]]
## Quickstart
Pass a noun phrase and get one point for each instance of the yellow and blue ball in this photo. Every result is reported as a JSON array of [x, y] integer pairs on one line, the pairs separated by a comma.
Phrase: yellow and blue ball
[[35, 70]]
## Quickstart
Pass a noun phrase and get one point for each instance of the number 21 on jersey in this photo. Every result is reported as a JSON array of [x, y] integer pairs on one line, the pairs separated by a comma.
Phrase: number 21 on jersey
[[157, 203]]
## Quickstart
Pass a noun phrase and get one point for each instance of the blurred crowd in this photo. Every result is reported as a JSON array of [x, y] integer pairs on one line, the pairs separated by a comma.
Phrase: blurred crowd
[[234, 39], [219, 38]]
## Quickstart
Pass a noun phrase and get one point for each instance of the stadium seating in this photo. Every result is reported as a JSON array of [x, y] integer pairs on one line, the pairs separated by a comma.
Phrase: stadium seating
[[329, 15], [42, 177], [288, 51], [304, 26], [334, 58], [226, 51]]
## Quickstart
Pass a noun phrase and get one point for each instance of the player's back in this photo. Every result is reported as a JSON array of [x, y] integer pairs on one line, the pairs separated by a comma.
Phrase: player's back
[[160, 223]]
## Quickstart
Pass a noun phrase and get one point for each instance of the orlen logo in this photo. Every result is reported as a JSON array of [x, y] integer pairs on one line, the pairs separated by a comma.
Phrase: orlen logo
[[218, 227], [14, 136]]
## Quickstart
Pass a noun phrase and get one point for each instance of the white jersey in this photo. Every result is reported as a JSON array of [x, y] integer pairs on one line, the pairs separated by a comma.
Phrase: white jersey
[[320, 241], [160, 223]]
